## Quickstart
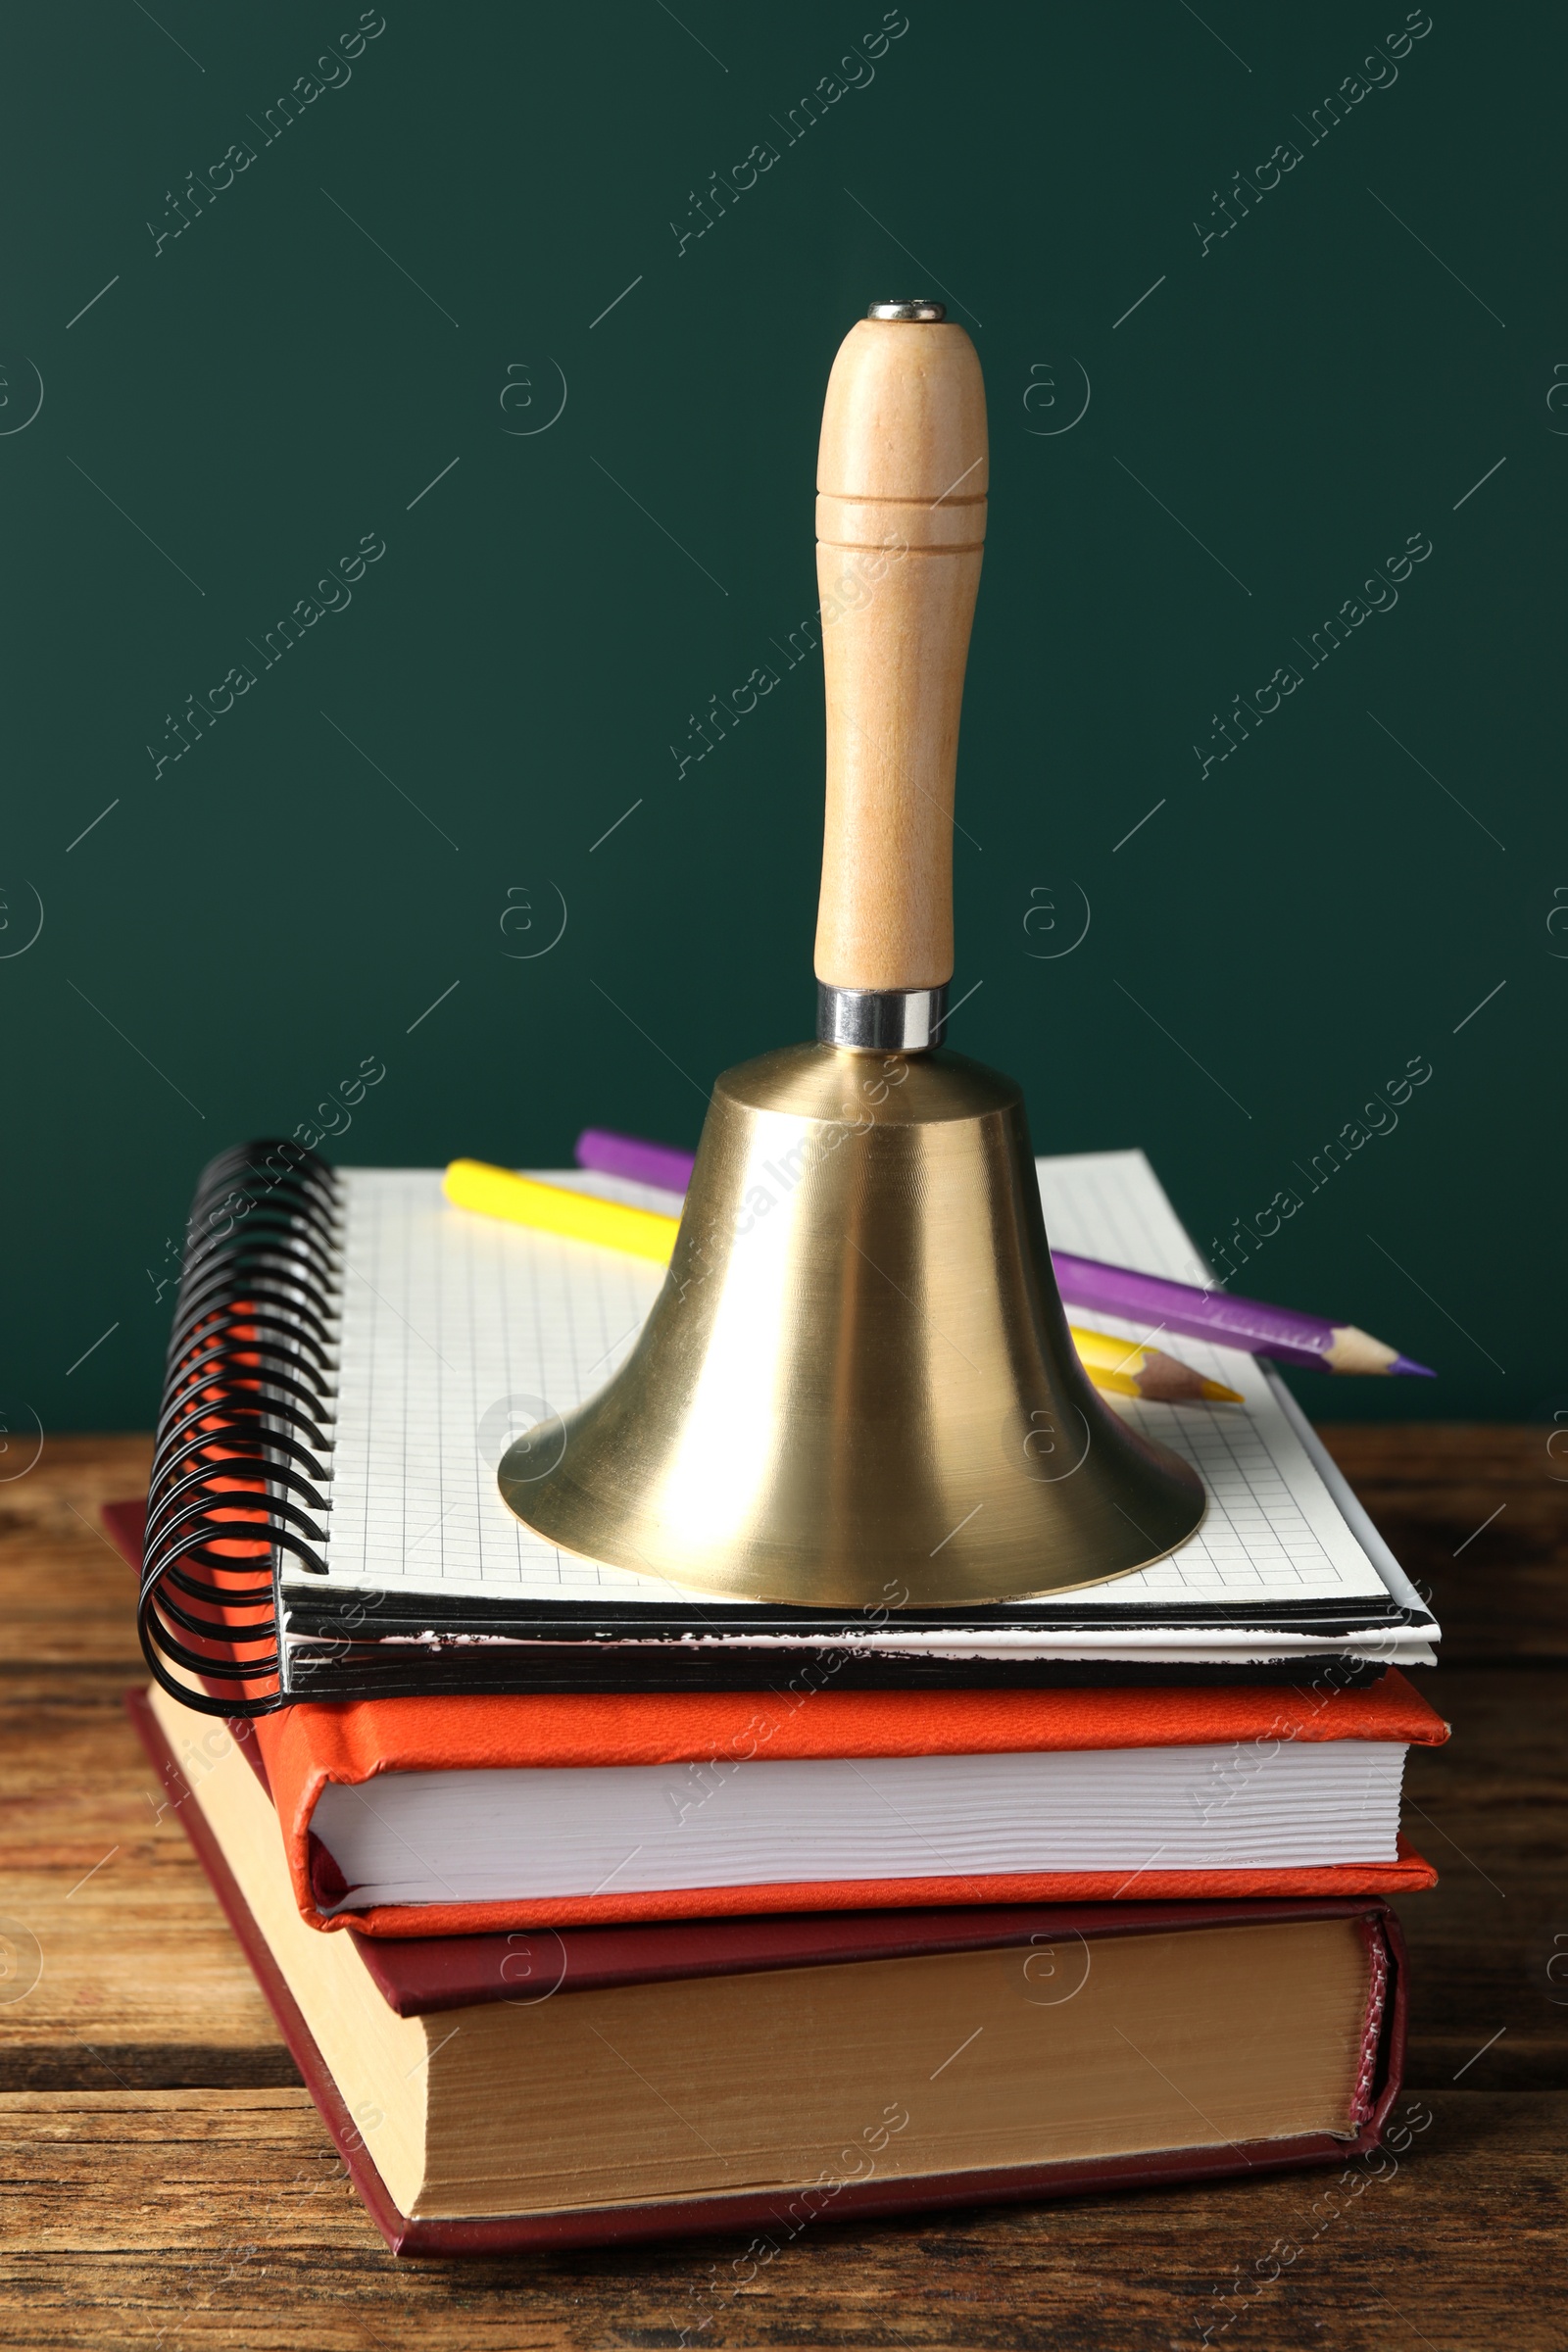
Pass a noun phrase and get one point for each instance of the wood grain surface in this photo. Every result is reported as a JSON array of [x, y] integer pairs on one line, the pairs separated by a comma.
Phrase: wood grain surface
[[901, 473], [166, 2182]]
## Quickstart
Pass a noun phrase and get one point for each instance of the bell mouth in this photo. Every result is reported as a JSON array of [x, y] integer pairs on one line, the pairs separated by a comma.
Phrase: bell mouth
[[858, 1380]]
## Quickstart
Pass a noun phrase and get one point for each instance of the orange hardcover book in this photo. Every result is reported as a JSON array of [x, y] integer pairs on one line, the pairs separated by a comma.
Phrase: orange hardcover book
[[491, 1813], [1193, 1792]]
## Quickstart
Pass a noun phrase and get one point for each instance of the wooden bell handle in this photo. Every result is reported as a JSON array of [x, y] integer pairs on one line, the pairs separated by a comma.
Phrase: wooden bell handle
[[901, 519]]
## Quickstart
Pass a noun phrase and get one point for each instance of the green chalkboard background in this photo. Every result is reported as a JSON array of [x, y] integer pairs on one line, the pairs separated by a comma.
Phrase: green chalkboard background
[[367, 335]]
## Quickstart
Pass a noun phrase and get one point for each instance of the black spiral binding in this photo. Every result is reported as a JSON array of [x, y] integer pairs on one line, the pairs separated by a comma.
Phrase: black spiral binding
[[244, 1449]]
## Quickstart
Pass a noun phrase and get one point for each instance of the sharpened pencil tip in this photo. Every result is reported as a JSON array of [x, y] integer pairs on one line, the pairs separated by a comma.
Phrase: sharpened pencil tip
[[1406, 1363], [1166, 1380]]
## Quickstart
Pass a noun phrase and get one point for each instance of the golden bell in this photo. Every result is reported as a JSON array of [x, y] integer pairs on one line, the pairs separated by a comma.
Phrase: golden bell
[[856, 1388]]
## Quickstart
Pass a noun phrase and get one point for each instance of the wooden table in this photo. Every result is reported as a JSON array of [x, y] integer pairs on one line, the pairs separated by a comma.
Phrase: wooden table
[[167, 2182]]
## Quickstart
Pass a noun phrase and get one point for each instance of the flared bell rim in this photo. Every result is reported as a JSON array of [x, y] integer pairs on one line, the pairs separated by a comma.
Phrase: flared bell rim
[[774, 1582]]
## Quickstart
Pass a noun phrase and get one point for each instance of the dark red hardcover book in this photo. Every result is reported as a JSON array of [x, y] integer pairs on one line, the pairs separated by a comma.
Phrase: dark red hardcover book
[[420, 1975]]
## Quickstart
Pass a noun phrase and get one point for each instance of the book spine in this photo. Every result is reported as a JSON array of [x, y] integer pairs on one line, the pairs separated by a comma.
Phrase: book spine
[[242, 1466], [1373, 2024]]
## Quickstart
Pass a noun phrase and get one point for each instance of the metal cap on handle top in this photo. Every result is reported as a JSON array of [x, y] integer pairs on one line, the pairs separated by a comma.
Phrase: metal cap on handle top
[[930, 314]]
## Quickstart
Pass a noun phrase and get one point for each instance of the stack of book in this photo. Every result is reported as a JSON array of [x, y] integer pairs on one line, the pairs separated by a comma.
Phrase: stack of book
[[594, 1909]]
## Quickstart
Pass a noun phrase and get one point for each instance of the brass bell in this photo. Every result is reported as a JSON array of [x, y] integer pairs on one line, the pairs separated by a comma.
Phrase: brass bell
[[856, 1388]]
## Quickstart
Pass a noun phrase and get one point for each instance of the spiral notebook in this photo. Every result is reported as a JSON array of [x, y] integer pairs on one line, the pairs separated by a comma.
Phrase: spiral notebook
[[351, 1541]]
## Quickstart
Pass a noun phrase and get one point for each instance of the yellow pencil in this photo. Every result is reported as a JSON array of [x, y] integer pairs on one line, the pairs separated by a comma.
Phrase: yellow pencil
[[1115, 1365], [1133, 1371], [551, 1208]]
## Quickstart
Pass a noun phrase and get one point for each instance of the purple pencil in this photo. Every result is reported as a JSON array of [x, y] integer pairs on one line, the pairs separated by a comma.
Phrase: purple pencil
[[629, 1156], [1183, 1307], [1180, 1309]]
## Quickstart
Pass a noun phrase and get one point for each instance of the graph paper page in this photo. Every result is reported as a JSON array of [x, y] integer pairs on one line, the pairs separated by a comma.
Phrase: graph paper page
[[458, 1331]]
